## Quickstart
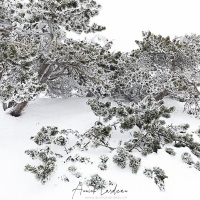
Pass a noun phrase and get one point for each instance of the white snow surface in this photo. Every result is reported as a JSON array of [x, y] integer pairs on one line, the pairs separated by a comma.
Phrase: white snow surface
[[74, 113]]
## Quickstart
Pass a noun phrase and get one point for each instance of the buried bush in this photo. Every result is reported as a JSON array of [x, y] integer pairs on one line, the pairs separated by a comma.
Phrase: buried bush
[[43, 171], [145, 121], [170, 151], [197, 165], [49, 135], [96, 182], [134, 163], [103, 164], [121, 157], [187, 158], [146, 116], [159, 176]]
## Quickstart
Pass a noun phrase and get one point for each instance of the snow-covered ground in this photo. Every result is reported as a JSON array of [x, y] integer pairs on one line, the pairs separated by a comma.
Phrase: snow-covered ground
[[74, 113]]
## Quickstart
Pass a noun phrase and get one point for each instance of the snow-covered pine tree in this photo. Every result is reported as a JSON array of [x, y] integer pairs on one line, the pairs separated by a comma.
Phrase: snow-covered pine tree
[[173, 66], [18, 81], [160, 67], [38, 54], [145, 122]]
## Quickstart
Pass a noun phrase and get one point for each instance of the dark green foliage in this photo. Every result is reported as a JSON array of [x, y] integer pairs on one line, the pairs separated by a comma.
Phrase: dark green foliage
[[145, 116], [148, 173], [77, 175], [102, 166], [36, 56], [102, 109], [170, 151], [72, 4], [41, 58], [121, 157], [159, 176], [64, 178], [141, 114], [96, 182], [99, 134], [152, 132], [197, 165], [187, 158], [179, 60], [128, 123], [73, 170], [198, 132], [160, 67], [49, 135], [183, 139], [103, 163], [41, 154], [104, 158], [78, 158], [134, 163], [43, 171], [151, 135]]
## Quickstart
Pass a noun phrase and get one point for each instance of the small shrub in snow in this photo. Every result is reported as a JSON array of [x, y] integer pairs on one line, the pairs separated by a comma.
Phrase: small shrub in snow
[[183, 139], [78, 158], [41, 154], [43, 171], [148, 173], [99, 134], [197, 165], [134, 163], [104, 158], [64, 178], [198, 132], [146, 116], [72, 169], [102, 166], [159, 176], [96, 181], [187, 158], [121, 157], [170, 151], [121, 160], [77, 174], [196, 150], [60, 140], [49, 135]]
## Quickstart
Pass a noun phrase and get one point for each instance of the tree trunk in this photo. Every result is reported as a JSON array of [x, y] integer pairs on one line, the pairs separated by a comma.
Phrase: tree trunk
[[16, 112], [1, 74], [46, 75], [9, 105], [5, 106]]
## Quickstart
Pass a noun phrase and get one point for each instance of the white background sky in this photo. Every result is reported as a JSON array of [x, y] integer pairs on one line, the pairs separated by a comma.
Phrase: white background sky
[[126, 19]]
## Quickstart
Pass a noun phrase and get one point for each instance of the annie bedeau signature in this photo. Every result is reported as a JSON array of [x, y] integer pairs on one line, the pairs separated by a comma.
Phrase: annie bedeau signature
[[80, 190]]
